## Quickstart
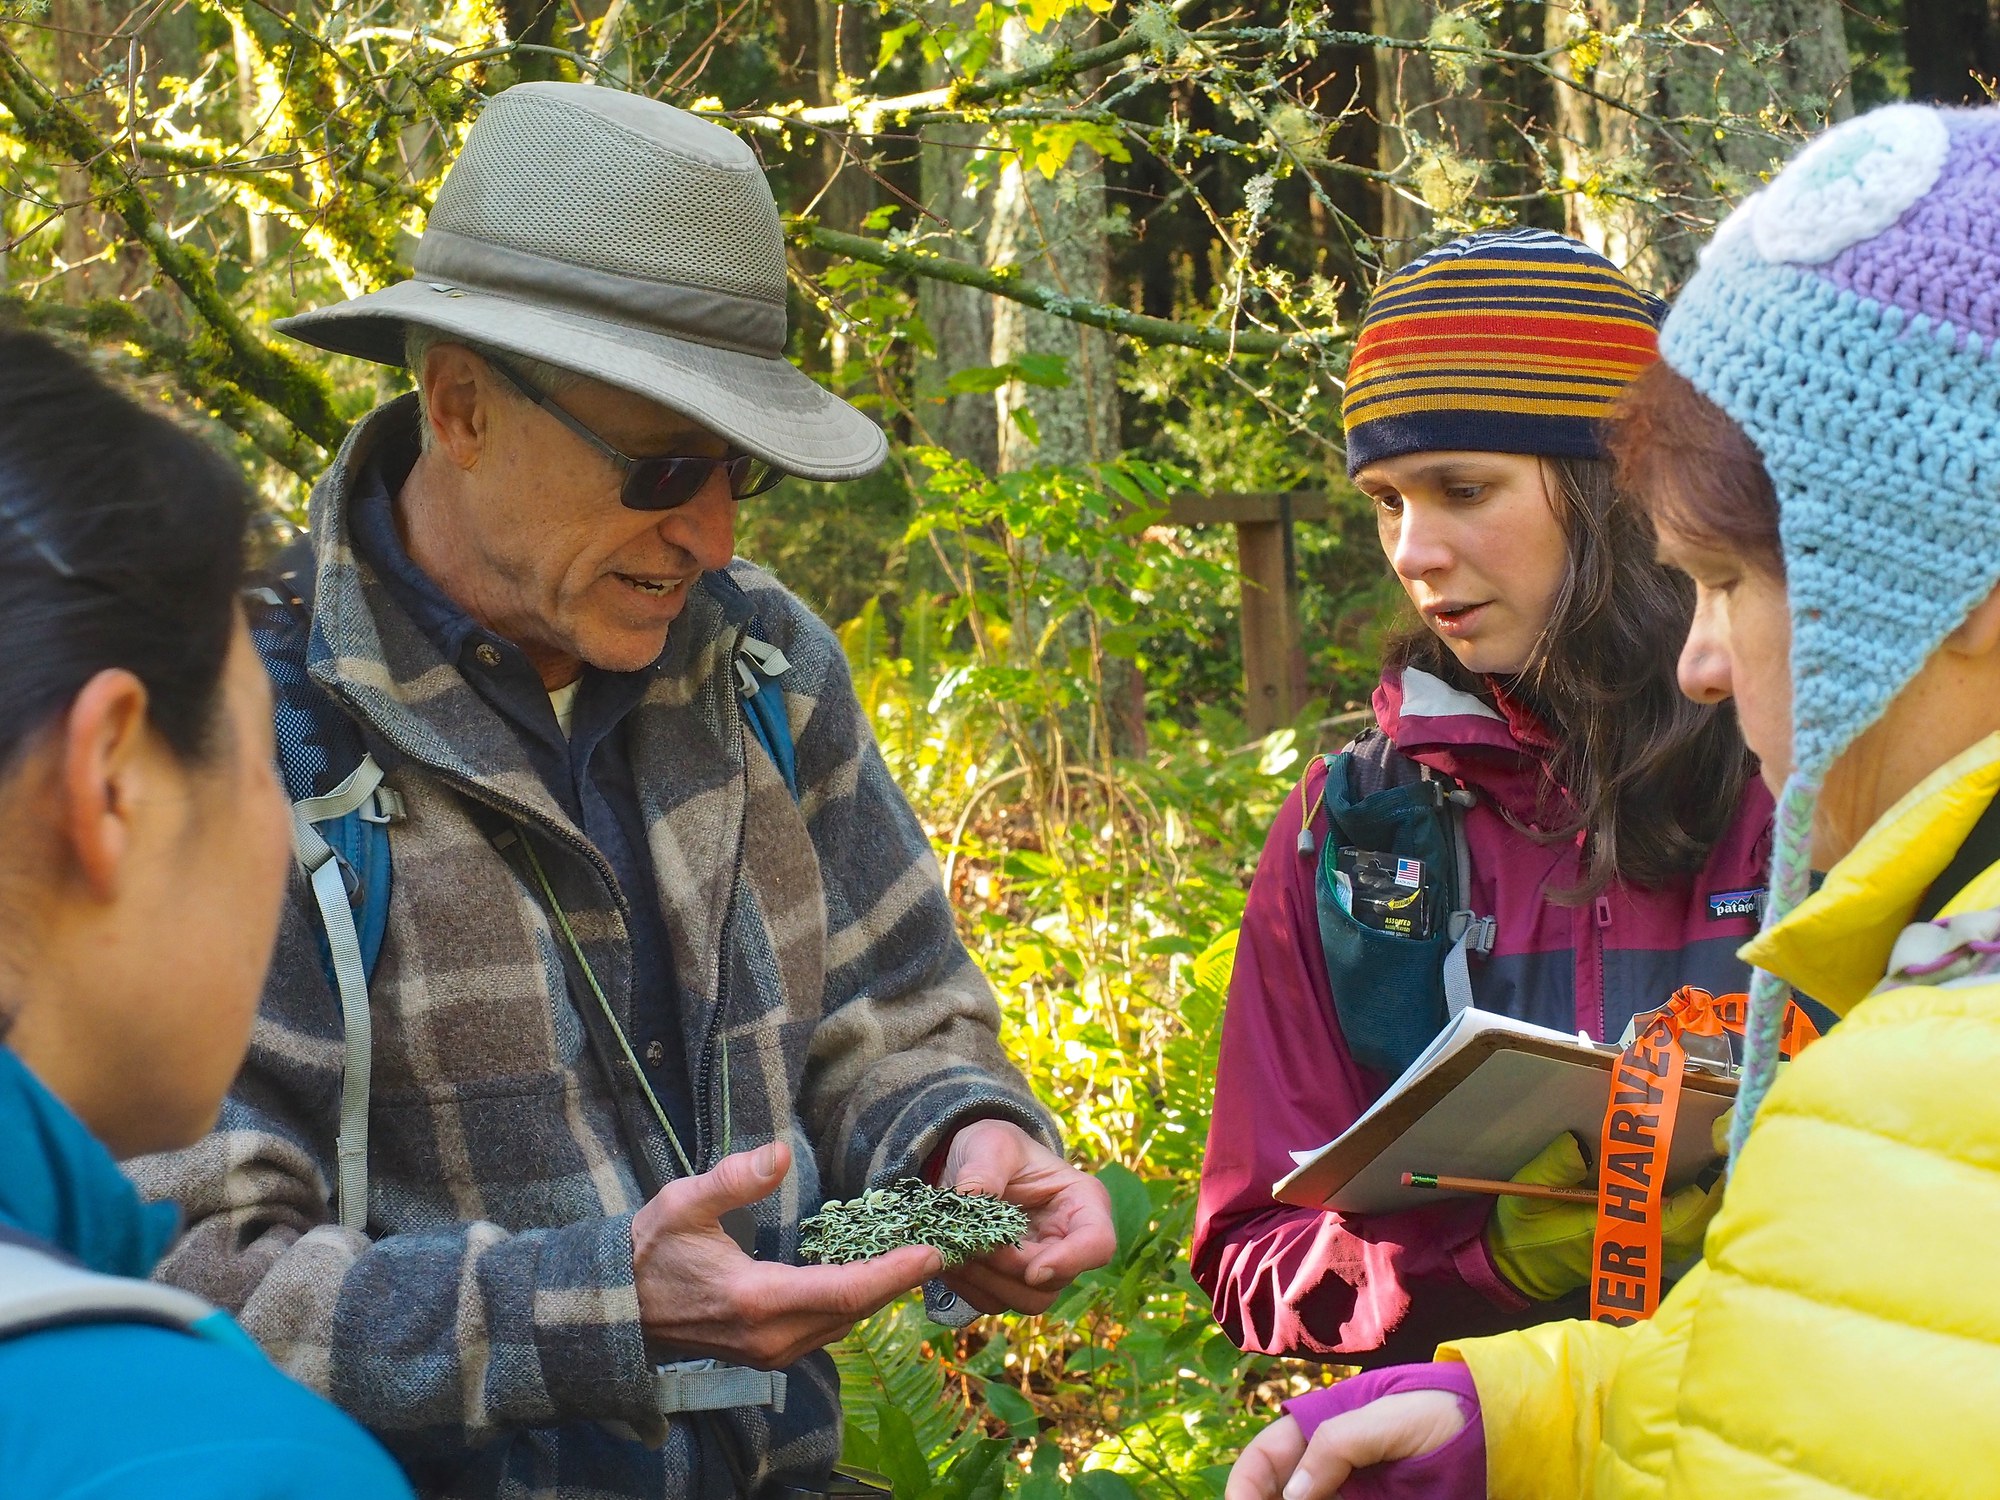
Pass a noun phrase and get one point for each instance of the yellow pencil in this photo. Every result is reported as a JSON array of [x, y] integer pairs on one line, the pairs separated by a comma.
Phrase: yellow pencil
[[1499, 1189]]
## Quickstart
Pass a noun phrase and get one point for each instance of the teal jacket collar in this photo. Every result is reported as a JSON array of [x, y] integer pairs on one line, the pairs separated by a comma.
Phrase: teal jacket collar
[[58, 1183]]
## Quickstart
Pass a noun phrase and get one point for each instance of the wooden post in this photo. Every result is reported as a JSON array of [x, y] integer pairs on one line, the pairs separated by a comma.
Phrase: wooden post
[[1274, 676], [1267, 630]]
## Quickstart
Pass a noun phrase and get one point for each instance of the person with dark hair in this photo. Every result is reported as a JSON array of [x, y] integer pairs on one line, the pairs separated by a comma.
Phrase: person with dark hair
[[1597, 844], [1820, 453], [143, 841]]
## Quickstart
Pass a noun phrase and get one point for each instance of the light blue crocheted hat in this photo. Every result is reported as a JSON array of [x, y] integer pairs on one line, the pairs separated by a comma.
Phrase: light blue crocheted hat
[[1847, 318]]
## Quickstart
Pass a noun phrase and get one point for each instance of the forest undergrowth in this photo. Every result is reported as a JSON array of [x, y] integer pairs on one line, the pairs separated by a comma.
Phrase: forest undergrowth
[[1101, 893]]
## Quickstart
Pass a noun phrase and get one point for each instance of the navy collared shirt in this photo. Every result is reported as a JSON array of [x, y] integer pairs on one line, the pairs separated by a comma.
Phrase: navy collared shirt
[[589, 773]]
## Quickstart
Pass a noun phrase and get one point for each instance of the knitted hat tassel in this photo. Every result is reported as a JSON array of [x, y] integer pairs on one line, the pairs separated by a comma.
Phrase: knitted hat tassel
[[1764, 1027]]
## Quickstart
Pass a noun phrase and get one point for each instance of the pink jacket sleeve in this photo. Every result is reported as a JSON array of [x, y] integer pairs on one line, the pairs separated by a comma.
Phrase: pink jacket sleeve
[[1455, 1471], [1290, 1280]]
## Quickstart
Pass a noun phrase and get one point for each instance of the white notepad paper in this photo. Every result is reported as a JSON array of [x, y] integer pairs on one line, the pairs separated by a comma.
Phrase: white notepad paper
[[1482, 1100]]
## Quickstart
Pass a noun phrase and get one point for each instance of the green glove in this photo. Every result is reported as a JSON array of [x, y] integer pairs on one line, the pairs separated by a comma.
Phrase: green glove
[[1543, 1249]]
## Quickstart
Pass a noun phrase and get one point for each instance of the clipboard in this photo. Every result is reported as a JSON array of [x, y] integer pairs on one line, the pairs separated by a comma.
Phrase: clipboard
[[1481, 1101]]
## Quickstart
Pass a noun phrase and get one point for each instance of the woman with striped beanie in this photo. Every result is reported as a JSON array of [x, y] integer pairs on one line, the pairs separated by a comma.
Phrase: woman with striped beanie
[[1820, 452], [1603, 842]]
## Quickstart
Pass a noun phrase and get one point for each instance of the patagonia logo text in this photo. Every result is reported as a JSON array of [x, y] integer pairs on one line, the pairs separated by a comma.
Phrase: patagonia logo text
[[1723, 905]]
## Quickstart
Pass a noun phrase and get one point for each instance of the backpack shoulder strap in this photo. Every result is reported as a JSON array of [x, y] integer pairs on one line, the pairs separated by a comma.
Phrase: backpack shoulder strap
[[40, 1288], [341, 812], [350, 964], [1469, 932], [759, 666]]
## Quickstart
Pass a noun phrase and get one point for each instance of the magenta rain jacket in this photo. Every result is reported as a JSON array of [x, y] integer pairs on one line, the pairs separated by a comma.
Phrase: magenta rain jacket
[[1383, 1288]]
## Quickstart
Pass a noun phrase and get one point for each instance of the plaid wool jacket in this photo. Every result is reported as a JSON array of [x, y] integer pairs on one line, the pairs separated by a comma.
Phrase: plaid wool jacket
[[485, 1326]]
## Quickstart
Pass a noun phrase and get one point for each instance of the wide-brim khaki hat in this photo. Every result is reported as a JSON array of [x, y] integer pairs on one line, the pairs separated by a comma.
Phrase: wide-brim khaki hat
[[630, 242]]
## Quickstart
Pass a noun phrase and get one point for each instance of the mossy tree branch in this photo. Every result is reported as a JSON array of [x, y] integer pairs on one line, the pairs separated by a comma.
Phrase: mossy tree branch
[[1008, 283], [253, 176], [290, 388], [200, 384], [951, 100]]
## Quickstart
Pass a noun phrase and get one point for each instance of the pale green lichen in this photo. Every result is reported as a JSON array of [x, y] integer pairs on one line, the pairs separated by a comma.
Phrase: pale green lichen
[[959, 1226]]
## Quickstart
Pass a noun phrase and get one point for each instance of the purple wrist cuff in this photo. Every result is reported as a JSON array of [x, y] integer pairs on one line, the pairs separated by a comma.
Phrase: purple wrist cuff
[[1473, 1261], [1457, 1471]]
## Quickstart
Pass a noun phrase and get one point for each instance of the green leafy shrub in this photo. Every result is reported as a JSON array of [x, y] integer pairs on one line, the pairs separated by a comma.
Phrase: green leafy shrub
[[1102, 894]]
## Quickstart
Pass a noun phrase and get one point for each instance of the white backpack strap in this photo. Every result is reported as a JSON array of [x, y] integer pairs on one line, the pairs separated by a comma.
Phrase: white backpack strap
[[710, 1385], [343, 941], [1457, 973], [1467, 931], [38, 1290]]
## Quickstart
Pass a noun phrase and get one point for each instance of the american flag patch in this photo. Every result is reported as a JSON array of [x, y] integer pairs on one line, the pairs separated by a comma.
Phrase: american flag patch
[[1409, 872]]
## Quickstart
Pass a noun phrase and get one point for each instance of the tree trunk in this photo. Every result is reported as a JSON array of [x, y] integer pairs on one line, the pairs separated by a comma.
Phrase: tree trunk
[[249, 126], [845, 191], [959, 318], [1053, 229], [90, 236], [539, 23], [1647, 194], [842, 41], [1947, 42]]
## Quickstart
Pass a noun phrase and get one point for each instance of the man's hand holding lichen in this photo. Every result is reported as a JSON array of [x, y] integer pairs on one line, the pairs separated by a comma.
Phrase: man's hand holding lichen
[[1069, 1218], [701, 1294]]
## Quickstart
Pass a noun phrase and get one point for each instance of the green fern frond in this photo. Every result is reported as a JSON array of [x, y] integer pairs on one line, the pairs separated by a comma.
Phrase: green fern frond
[[890, 1360]]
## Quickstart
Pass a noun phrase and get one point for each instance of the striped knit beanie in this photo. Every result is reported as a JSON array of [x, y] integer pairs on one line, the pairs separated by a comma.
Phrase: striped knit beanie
[[1508, 341], [1847, 317]]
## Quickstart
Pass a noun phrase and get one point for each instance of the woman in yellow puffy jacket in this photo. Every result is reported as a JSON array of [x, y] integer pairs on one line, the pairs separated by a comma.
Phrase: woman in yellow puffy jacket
[[1820, 451]]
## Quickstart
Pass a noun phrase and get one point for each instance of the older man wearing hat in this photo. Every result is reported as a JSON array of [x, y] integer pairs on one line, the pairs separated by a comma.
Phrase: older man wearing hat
[[655, 979]]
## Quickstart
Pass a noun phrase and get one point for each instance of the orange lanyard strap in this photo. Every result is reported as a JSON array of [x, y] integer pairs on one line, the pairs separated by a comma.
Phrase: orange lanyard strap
[[1638, 1132]]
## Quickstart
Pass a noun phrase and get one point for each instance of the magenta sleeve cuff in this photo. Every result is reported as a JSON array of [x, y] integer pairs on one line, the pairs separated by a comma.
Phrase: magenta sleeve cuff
[[1457, 1471]]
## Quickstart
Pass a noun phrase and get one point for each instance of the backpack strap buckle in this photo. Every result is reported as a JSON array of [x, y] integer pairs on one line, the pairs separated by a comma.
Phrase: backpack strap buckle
[[385, 807], [767, 659], [362, 794], [1477, 933]]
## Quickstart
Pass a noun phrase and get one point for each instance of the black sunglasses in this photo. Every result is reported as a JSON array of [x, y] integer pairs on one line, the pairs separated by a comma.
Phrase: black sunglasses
[[665, 483]]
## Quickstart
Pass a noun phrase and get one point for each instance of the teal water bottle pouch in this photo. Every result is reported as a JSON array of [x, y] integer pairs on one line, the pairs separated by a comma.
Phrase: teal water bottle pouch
[[1385, 889]]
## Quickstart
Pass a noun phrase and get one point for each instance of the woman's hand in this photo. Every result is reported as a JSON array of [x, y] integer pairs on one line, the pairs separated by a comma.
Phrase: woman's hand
[[1280, 1463], [1543, 1250]]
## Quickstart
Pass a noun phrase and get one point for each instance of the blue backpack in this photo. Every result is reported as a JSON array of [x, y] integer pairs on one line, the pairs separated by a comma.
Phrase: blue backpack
[[342, 813]]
